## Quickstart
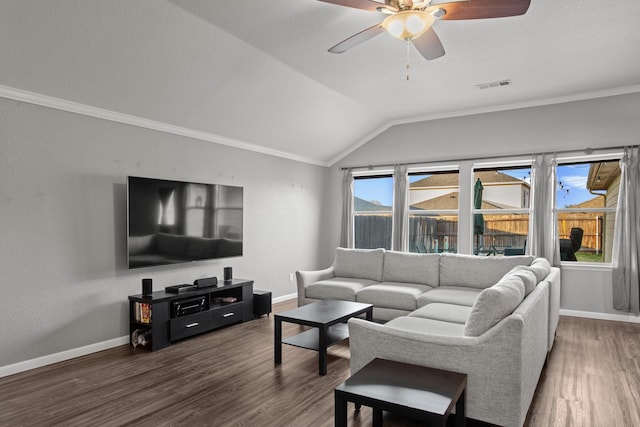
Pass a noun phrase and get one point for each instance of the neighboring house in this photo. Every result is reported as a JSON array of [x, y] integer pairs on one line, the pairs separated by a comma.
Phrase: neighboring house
[[448, 201], [604, 177], [440, 191], [361, 205]]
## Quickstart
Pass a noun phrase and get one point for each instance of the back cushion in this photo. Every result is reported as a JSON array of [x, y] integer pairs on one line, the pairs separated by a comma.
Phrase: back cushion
[[528, 277], [541, 268], [405, 267], [477, 271], [359, 263], [493, 305]]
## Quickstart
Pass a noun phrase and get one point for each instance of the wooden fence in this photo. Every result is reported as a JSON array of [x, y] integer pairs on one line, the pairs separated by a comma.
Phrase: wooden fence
[[592, 225], [440, 234]]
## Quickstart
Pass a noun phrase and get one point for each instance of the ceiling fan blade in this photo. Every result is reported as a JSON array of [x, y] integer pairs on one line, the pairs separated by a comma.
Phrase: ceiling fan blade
[[358, 4], [357, 39], [429, 45], [481, 9]]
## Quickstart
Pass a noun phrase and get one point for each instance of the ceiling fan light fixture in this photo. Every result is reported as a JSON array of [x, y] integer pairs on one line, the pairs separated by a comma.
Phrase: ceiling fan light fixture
[[408, 24]]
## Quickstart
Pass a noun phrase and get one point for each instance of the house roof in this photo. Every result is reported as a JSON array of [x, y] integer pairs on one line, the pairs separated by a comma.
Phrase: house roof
[[451, 179], [596, 202], [602, 175], [449, 201], [362, 205], [257, 74]]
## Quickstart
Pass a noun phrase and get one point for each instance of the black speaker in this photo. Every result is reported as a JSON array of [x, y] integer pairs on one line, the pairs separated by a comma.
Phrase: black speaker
[[147, 287], [261, 302], [206, 282], [228, 274]]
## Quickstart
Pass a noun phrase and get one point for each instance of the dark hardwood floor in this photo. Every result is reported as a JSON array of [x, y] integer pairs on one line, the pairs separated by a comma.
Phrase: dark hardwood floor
[[227, 378]]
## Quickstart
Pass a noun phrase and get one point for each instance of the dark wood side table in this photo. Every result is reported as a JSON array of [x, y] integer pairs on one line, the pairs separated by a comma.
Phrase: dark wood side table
[[327, 317], [415, 391]]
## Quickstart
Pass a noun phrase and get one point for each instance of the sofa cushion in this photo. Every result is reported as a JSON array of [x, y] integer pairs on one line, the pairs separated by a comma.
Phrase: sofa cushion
[[541, 268], [528, 277], [494, 304], [458, 295], [359, 263], [444, 312], [477, 271], [342, 288], [427, 326], [402, 296], [384, 314], [409, 267]]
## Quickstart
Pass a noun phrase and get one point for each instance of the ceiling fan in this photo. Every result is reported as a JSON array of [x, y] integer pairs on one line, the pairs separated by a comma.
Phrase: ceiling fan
[[412, 20]]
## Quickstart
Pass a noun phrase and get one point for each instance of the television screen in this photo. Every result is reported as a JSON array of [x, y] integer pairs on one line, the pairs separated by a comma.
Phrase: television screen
[[172, 222]]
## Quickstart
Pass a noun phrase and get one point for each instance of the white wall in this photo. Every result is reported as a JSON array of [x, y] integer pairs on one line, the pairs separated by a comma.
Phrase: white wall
[[63, 222], [597, 123]]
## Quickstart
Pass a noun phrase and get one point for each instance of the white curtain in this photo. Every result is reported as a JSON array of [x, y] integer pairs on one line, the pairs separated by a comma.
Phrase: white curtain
[[625, 257], [400, 228], [542, 239], [347, 236]]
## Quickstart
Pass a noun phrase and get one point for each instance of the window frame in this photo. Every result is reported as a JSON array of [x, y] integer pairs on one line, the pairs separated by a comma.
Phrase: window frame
[[499, 166], [435, 170], [586, 159], [371, 175]]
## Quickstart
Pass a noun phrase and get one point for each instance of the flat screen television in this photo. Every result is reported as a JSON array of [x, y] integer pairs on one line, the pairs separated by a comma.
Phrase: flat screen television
[[172, 222]]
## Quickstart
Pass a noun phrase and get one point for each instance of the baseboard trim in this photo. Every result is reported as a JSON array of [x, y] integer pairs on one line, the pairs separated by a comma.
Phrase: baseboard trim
[[601, 316], [62, 356], [285, 298], [38, 362]]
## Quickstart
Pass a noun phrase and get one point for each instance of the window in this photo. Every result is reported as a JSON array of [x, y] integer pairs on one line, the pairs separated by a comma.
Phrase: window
[[433, 211], [372, 205], [586, 202], [501, 201]]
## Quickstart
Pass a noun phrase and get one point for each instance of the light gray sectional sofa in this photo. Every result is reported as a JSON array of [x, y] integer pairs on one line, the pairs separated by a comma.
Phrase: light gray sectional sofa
[[492, 318]]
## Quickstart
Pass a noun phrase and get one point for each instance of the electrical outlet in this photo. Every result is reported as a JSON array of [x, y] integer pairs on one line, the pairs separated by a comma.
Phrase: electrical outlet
[[291, 277]]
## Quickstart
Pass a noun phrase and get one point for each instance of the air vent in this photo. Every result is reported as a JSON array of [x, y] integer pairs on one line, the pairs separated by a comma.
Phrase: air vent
[[499, 83]]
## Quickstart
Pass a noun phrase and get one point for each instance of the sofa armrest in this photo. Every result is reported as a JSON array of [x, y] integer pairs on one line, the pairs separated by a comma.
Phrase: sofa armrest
[[305, 278], [554, 303]]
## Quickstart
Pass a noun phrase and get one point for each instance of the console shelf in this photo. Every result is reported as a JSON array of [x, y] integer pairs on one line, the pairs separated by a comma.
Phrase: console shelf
[[153, 316]]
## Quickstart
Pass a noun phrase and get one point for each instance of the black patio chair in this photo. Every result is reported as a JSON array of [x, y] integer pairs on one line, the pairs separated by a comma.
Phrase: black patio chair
[[569, 247]]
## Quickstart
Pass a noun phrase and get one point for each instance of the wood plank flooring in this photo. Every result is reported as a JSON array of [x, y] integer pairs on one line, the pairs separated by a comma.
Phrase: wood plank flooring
[[227, 378]]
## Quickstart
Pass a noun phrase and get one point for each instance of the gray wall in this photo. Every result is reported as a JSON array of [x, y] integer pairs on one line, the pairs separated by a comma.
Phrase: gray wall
[[63, 221], [63, 207], [596, 123]]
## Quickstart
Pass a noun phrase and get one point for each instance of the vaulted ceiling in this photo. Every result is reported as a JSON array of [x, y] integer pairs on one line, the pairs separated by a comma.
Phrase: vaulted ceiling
[[257, 74]]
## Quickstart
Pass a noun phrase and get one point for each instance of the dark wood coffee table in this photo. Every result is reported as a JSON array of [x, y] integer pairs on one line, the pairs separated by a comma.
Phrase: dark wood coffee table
[[415, 391], [328, 319]]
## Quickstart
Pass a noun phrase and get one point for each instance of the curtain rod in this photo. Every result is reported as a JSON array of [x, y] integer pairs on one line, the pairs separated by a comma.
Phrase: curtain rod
[[586, 151]]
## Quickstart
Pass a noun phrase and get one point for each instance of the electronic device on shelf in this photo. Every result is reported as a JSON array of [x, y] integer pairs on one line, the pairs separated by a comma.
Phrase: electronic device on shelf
[[206, 282], [179, 289], [189, 306]]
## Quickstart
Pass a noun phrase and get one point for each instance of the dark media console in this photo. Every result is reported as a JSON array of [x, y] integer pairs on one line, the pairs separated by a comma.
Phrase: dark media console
[[165, 317]]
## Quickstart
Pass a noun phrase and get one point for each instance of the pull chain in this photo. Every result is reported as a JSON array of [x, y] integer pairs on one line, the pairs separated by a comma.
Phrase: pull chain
[[407, 68]]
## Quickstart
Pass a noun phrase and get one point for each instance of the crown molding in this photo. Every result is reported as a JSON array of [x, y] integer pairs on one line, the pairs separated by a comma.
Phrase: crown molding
[[114, 116], [128, 119]]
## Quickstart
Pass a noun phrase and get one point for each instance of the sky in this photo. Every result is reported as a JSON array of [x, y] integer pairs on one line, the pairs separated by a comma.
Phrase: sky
[[571, 189]]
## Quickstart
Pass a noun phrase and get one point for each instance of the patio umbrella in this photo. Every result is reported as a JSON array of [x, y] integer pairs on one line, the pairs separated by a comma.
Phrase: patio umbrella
[[478, 219]]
